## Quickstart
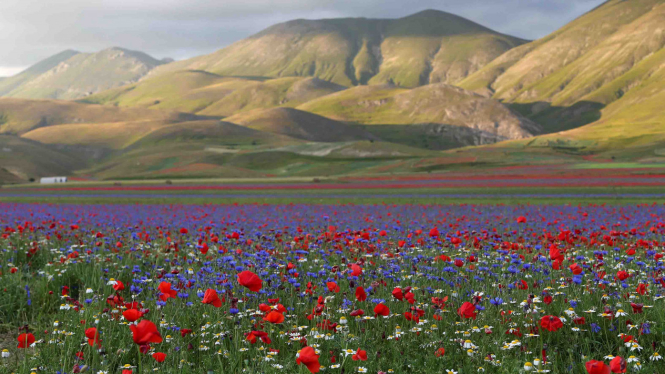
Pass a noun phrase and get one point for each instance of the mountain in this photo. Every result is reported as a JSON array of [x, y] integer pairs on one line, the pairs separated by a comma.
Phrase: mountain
[[427, 47], [10, 83], [585, 71], [443, 115], [72, 75]]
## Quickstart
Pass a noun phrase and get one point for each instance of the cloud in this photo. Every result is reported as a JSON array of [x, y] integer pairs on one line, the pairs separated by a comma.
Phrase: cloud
[[31, 30]]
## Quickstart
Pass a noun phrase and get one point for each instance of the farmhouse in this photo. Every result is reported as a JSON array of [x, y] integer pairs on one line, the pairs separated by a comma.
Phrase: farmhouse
[[51, 180]]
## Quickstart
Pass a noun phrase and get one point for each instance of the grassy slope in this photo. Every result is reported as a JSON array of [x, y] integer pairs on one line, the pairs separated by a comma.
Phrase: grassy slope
[[298, 124], [209, 94], [449, 112], [565, 79], [430, 46], [21, 159], [10, 83], [86, 73], [18, 116]]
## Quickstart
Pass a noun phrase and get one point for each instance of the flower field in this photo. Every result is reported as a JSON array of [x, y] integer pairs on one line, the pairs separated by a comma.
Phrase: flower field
[[305, 288]]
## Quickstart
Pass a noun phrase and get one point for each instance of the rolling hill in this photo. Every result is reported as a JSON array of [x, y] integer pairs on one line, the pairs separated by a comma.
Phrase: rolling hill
[[426, 47], [209, 94], [18, 116], [440, 115], [72, 75]]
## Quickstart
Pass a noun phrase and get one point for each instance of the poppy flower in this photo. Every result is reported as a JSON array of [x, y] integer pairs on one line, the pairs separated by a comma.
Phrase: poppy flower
[[551, 323], [467, 310], [576, 269], [381, 310], [360, 355], [547, 299], [145, 333], [397, 293], [440, 352], [159, 356], [410, 297], [637, 308], [118, 286], [165, 289], [132, 315], [618, 365], [521, 219], [184, 332], [356, 313], [360, 294], [252, 335], [597, 367], [356, 270], [642, 289], [333, 287], [93, 336], [309, 358], [250, 280], [25, 340], [274, 317], [622, 275], [211, 298]]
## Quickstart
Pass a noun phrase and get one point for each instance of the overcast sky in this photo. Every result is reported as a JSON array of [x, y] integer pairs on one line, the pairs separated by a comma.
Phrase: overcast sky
[[31, 30]]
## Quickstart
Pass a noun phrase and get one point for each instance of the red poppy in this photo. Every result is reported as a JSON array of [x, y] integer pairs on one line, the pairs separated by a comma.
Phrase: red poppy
[[622, 275], [576, 269], [521, 219], [410, 297], [618, 365], [381, 310], [252, 335], [184, 332], [356, 313], [579, 320], [159, 356], [642, 289], [211, 298], [547, 299], [551, 323], [360, 294], [397, 293], [274, 317], [309, 358], [119, 286], [250, 280], [93, 337], [434, 233], [25, 340], [132, 315], [145, 333], [597, 367], [637, 308], [360, 355], [467, 310], [440, 352], [165, 289], [332, 287], [356, 270]]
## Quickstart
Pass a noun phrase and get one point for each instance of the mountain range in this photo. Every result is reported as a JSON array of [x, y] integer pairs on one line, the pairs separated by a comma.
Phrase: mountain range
[[353, 95]]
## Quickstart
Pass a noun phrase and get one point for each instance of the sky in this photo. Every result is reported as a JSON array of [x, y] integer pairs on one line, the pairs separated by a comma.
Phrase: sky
[[31, 30]]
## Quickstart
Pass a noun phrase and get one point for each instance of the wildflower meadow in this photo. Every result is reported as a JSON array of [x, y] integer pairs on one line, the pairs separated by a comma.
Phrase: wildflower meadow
[[302, 288]]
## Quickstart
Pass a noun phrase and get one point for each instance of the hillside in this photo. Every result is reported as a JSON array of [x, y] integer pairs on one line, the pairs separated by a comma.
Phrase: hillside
[[440, 115], [209, 94], [298, 124], [570, 77], [427, 47], [10, 83], [18, 116], [72, 75], [22, 159]]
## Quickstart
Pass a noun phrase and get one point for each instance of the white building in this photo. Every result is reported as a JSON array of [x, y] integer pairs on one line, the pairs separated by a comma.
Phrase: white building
[[51, 180]]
